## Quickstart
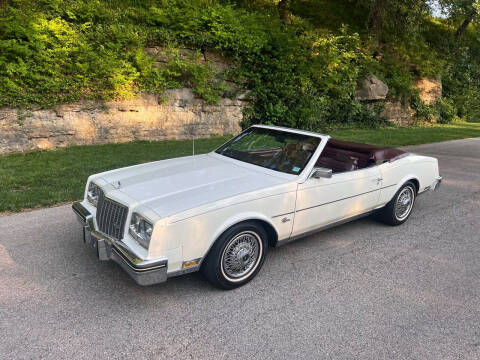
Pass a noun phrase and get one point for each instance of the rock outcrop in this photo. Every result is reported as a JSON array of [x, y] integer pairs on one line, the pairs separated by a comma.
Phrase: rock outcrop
[[371, 88], [430, 90], [374, 91]]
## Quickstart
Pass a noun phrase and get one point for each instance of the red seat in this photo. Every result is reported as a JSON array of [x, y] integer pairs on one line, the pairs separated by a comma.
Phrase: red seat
[[336, 165]]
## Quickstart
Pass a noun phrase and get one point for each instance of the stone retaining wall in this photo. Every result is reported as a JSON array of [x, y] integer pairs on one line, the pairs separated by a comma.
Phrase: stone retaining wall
[[177, 114], [148, 117]]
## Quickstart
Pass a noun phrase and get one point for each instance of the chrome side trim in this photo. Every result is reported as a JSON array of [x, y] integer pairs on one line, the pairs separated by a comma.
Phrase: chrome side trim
[[324, 227], [289, 213], [346, 198]]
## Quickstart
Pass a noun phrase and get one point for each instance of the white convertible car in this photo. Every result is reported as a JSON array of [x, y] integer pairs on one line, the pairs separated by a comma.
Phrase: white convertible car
[[219, 212]]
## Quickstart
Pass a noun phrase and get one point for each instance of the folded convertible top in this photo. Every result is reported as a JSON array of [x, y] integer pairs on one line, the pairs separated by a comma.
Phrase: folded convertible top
[[375, 153]]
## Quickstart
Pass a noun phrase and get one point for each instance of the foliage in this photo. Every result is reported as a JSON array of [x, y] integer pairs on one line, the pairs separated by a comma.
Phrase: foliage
[[76, 50], [461, 81], [446, 111], [443, 111], [458, 10], [393, 17], [301, 70], [424, 112], [307, 89]]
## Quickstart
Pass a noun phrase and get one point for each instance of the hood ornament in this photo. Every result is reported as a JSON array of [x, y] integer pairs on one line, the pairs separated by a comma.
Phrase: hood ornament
[[117, 185]]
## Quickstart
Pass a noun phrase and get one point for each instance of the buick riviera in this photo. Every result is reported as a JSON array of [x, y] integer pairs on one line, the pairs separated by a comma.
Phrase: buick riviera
[[220, 212]]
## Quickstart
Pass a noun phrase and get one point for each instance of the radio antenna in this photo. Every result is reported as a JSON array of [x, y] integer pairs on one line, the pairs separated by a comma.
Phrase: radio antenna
[[190, 130]]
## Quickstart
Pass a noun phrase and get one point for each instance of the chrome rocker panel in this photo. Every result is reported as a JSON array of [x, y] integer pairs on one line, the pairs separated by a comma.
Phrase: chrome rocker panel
[[144, 272]]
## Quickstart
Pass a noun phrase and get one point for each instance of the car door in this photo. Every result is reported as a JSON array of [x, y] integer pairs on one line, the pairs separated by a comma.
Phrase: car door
[[323, 201]]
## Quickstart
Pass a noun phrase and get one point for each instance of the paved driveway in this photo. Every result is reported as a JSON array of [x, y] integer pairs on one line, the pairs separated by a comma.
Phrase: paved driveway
[[363, 290]]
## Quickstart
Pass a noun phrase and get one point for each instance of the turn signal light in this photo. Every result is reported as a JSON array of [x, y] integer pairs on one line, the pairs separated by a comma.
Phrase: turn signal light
[[190, 263]]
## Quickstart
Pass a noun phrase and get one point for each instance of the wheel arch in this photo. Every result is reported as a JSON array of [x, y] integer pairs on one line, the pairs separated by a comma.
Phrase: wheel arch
[[415, 182], [409, 178], [256, 218]]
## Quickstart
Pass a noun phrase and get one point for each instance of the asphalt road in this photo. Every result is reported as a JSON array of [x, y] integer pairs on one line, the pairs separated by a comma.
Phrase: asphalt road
[[363, 290]]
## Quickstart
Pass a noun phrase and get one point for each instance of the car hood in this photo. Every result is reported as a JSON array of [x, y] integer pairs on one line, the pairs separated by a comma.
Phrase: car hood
[[171, 186]]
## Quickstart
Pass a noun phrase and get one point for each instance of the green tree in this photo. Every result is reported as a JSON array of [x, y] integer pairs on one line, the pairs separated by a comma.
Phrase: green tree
[[394, 17], [462, 11]]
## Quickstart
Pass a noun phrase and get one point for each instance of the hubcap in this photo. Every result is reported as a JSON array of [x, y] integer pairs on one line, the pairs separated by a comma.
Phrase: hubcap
[[241, 256], [404, 203]]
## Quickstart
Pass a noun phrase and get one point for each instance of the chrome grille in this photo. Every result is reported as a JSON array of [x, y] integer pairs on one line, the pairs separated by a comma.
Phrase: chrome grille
[[111, 217]]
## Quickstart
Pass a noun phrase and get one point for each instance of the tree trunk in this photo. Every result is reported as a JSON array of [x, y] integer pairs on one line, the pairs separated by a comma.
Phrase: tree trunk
[[376, 17], [465, 23], [282, 9]]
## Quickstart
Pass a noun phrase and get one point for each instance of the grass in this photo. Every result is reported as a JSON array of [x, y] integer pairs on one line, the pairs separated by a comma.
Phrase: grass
[[45, 178], [402, 136]]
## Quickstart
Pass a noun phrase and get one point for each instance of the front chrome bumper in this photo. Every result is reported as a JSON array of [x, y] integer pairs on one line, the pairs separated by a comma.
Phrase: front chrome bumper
[[144, 272]]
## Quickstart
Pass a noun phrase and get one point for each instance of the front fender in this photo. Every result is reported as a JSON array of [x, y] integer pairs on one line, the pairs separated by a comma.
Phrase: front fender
[[238, 218], [193, 238]]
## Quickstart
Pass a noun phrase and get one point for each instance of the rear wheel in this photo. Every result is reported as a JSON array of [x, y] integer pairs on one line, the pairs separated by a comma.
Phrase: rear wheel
[[237, 256], [398, 210]]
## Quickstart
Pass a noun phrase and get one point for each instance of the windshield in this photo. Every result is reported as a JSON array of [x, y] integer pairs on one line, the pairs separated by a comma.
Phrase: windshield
[[272, 149]]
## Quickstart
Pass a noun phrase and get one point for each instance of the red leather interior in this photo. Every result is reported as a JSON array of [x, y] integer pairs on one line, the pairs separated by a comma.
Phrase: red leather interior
[[341, 156]]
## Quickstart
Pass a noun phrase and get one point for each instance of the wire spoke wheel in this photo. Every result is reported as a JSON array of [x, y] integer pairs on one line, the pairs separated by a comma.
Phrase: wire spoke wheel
[[241, 256], [404, 203]]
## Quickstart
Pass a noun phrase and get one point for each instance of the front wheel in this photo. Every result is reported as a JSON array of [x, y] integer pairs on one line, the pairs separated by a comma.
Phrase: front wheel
[[398, 210], [237, 256]]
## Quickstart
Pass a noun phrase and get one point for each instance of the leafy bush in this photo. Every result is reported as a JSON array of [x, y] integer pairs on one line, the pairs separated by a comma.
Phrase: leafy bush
[[423, 111], [446, 111], [461, 81], [62, 51], [66, 51], [299, 73], [443, 111]]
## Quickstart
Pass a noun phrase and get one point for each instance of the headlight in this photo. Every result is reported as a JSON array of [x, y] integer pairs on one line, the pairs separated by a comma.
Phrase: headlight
[[141, 230], [93, 193]]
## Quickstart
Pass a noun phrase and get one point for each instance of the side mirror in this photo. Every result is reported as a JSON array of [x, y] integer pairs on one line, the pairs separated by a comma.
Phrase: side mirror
[[319, 172]]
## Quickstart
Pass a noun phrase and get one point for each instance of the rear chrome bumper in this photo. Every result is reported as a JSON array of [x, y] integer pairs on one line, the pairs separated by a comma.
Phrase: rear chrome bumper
[[436, 183], [433, 187], [144, 272]]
